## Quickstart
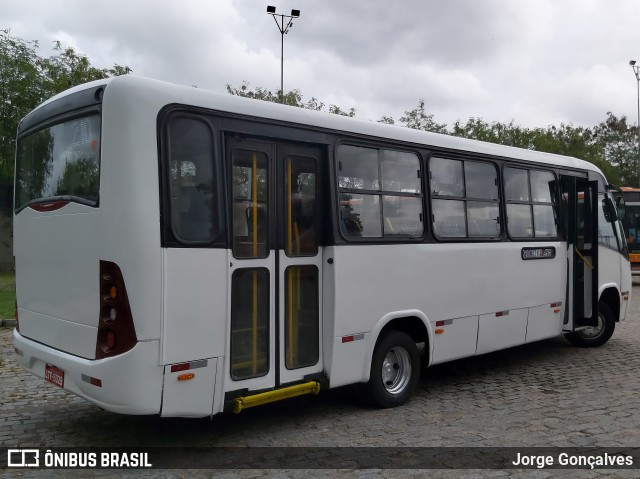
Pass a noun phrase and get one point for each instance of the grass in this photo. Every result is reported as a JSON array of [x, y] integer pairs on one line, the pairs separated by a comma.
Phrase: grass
[[7, 295]]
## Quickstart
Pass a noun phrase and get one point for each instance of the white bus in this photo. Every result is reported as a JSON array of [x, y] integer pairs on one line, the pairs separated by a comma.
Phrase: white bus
[[184, 253]]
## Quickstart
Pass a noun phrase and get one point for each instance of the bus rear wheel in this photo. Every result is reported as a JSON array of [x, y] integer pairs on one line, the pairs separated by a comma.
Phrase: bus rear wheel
[[598, 335], [395, 370]]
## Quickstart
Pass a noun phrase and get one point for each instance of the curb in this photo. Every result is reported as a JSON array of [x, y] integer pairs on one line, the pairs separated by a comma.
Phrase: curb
[[7, 323]]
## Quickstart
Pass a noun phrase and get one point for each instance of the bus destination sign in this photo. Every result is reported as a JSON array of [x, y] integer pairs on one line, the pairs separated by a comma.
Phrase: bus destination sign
[[546, 252]]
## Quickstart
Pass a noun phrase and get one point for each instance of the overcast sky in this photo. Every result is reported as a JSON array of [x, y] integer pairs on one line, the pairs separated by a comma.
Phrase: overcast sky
[[537, 62]]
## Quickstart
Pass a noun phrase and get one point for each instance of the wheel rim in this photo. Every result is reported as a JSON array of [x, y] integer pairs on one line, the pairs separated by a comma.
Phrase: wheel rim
[[396, 370], [592, 332]]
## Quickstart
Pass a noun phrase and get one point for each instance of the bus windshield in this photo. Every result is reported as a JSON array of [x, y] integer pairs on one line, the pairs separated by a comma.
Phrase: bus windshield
[[59, 162]]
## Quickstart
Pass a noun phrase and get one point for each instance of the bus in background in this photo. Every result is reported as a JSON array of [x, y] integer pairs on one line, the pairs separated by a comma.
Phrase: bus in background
[[184, 253], [631, 224]]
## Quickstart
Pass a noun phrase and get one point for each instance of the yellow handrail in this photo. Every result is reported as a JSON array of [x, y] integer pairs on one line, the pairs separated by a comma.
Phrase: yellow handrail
[[586, 261], [254, 195]]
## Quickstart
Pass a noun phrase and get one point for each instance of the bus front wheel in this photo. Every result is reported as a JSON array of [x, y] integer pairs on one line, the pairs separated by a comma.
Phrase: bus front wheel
[[395, 370], [595, 336]]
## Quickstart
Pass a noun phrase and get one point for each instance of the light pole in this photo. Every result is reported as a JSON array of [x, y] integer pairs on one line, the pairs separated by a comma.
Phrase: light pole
[[636, 71], [283, 28]]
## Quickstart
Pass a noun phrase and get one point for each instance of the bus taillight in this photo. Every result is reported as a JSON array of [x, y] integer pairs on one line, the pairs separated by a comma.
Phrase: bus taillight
[[116, 331]]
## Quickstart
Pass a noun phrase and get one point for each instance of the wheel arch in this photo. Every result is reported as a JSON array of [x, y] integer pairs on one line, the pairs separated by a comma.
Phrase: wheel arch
[[412, 322], [610, 295]]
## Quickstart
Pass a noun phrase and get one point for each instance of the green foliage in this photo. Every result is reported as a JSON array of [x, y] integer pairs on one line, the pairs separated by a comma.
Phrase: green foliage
[[609, 146], [292, 98], [619, 147], [26, 80], [419, 119], [68, 68], [80, 178], [505, 134], [612, 145], [7, 295]]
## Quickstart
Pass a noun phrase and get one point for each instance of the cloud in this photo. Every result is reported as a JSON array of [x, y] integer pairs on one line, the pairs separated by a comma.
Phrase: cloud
[[534, 61]]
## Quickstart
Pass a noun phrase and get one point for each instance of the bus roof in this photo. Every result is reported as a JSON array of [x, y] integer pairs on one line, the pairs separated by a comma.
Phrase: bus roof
[[179, 94]]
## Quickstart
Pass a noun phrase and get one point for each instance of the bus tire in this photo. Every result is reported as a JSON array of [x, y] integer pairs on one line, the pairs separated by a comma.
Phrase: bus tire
[[592, 337], [395, 370]]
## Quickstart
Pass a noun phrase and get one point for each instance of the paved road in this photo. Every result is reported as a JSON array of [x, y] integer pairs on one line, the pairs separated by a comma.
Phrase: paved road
[[543, 394]]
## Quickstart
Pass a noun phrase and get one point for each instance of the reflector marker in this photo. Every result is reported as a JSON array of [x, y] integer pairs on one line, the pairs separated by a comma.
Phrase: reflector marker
[[176, 368], [625, 295], [201, 363], [186, 377], [352, 337], [52, 206], [18, 351], [502, 313], [444, 323], [94, 381], [555, 305], [439, 331]]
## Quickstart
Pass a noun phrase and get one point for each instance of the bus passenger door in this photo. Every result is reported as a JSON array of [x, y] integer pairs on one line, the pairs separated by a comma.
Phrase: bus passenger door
[[580, 203], [275, 264], [299, 263]]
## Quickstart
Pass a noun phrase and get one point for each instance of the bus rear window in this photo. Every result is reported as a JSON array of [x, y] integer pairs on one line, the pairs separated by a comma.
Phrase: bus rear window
[[59, 162]]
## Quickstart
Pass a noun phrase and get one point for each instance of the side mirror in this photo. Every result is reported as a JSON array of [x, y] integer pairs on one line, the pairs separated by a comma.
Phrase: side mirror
[[610, 210], [621, 207], [618, 197]]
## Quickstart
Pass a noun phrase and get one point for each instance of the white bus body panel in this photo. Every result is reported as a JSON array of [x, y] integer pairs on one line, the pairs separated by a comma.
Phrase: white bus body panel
[[460, 340], [130, 200], [195, 304], [545, 321], [502, 329], [190, 397], [131, 382], [58, 253], [441, 282], [57, 278], [610, 266]]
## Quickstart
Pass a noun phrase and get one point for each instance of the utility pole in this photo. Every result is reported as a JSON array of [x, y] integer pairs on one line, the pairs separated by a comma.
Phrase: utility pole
[[636, 71], [285, 23]]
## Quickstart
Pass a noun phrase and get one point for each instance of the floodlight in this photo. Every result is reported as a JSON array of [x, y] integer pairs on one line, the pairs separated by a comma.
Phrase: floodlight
[[271, 9]]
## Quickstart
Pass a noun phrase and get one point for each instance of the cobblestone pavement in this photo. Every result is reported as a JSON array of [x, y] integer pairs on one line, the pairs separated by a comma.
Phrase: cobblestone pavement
[[543, 394]]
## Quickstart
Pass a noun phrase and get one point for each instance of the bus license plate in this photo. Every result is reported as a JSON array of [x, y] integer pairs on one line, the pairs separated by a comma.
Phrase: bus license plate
[[54, 375]]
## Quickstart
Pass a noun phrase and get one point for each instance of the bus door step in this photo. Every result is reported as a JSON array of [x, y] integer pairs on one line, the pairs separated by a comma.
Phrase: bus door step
[[245, 402]]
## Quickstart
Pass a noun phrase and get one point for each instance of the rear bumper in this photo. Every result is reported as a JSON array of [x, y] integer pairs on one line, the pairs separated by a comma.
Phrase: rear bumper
[[131, 382]]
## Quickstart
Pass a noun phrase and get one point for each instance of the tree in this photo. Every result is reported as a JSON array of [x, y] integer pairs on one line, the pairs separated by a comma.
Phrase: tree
[[508, 134], [419, 119], [80, 177], [619, 147], [611, 145], [569, 140], [292, 98], [20, 91], [68, 68], [387, 119], [26, 80]]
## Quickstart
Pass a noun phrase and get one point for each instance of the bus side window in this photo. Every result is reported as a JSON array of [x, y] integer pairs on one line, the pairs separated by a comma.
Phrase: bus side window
[[380, 193], [194, 209], [465, 199], [532, 203], [250, 208], [260, 222]]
